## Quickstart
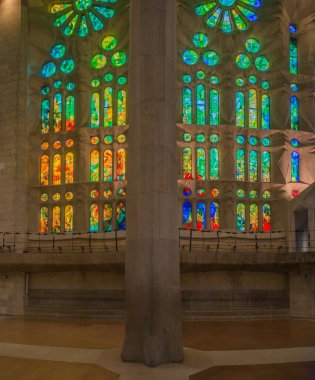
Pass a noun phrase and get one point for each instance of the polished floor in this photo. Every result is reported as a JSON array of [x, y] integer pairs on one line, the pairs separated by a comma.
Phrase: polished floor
[[36, 349]]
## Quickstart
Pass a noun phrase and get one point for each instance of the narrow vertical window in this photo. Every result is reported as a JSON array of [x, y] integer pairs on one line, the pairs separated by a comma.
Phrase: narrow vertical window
[[294, 111], [108, 166], [94, 218], [266, 220], [214, 107], [95, 166], [44, 170], [108, 107], [187, 106], [69, 167], [57, 169], [214, 163], [45, 115], [252, 104], [240, 109], [57, 112], [265, 166], [69, 218], [121, 216], [295, 167], [95, 110], [70, 113], [240, 217], [201, 164], [121, 107], [214, 216], [56, 221], [253, 218], [187, 163], [201, 104], [43, 220], [253, 166], [293, 56], [201, 217], [121, 165], [265, 112], [187, 216], [240, 165], [107, 217]]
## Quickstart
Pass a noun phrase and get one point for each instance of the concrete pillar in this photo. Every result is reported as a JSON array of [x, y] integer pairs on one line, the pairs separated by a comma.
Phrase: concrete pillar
[[311, 228], [153, 330]]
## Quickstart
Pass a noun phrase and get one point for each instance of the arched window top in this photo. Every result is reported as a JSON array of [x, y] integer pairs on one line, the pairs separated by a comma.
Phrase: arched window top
[[187, 215], [240, 217], [201, 216]]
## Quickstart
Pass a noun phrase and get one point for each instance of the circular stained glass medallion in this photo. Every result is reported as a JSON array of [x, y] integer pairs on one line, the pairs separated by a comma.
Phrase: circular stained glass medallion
[[82, 5], [201, 193], [253, 194], [44, 197], [45, 90], [200, 75], [109, 43], [67, 66], [44, 145], [49, 69], [187, 78], [98, 61], [262, 63], [252, 45], [265, 141], [240, 139], [214, 79], [295, 143], [57, 144], [69, 143], [56, 197], [69, 196], [95, 140], [266, 194], [214, 192], [121, 192], [200, 40], [122, 80], [253, 140], [57, 84], [210, 58], [190, 57], [121, 138], [265, 85], [58, 51], [108, 193], [187, 192], [108, 77], [252, 79], [108, 139], [214, 138], [70, 86], [187, 137], [240, 193], [94, 194], [243, 61], [201, 138], [119, 59], [294, 87], [95, 82]]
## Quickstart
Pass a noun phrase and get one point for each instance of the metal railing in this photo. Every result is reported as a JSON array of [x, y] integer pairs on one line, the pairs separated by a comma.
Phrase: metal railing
[[189, 240]]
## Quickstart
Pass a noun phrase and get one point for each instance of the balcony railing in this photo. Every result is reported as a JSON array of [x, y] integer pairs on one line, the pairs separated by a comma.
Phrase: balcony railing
[[189, 240]]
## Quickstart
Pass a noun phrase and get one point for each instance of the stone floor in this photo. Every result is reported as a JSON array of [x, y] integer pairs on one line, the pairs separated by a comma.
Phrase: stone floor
[[36, 349]]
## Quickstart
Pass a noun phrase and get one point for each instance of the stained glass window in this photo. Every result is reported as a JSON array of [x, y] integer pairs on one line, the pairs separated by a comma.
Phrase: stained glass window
[[266, 220], [201, 164], [253, 217], [265, 166], [57, 112], [295, 167], [94, 218], [240, 109], [43, 220], [201, 104], [294, 109], [95, 166], [201, 216], [214, 216], [121, 165], [187, 163], [121, 107], [253, 166], [108, 166], [253, 115], [70, 113], [265, 112], [108, 107], [187, 216], [293, 56], [187, 106], [95, 110], [45, 115], [108, 217], [69, 218], [56, 221], [214, 107], [214, 163], [240, 165], [56, 169], [240, 217], [44, 170], [69, 167], [121, 216]]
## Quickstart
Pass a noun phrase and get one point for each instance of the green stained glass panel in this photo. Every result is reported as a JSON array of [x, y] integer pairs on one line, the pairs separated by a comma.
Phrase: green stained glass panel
[[187, 163], [213, 19], [240, 109], [253, 166], [187, 78], [58, 51], [294, 110], [253, 218], [190, 57], [48, 70], [226, 24], [262, 63], [250, 15], [293, 56], [243, 61], [214, 107], [109, 42], [265, 166], [105, 12], [210, 58], [214, 79], [62, 19], [83, 28], [253, 111], [119, 59], [239, 21], [201, 104], [95, 110], [240, 165], [97, 24], [214, 164], [187, 106], [240, 217], [69, 29], [201, 164], [265, 112], [252, 45], [205, 8], [200, 40], [67, 66], [200, 138], [98, 61]]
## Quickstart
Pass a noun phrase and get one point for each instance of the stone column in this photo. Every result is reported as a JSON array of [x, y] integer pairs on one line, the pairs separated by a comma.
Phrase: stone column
[[153, 331]]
